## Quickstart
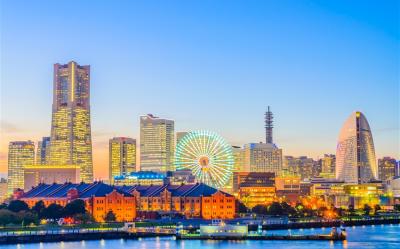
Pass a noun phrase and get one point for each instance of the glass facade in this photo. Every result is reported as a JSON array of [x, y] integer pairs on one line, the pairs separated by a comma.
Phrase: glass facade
[[20, 155], [355, 153], [70, 142], [122, 157], [156, 144], [42, 151]]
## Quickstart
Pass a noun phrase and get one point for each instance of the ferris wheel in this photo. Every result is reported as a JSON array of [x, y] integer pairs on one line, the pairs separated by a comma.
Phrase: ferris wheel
[[207, 155]]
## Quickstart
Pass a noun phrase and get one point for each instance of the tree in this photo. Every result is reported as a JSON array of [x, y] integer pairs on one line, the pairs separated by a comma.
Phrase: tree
[[8, 217], [377, 207], [275, 209], [242, 208], [110, 216], [74, 207], [38, 209], [351, 209], [287, 209], [27, 218], [53, 211], [367, 209], [84, 218], [3, 206], [259, 209], [17, 205], [397, 207]]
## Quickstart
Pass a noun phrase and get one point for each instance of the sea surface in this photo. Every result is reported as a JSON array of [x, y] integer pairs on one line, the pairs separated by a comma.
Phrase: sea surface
[[374, 237]]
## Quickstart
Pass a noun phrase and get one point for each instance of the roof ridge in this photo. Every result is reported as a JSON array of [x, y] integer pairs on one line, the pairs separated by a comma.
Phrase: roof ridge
[[57, 189]]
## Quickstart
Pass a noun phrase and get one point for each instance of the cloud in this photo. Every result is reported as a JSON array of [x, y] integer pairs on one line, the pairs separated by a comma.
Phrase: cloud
[[7, 127]]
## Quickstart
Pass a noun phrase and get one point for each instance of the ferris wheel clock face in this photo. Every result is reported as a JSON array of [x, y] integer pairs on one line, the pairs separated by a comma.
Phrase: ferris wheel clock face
[[207, 155]]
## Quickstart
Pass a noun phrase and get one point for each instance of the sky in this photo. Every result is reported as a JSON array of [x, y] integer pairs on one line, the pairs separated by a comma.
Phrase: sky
[[212, 65]]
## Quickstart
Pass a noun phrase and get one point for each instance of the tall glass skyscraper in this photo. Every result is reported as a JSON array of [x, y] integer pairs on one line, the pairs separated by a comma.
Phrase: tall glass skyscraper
[[42, 151], [71, 142], [122, 156], [355, 152], [20, 155], [156, 143]]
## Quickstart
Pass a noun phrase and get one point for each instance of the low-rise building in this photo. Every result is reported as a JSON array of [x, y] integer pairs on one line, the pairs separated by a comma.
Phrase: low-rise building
[[140, 178], [99, 198]]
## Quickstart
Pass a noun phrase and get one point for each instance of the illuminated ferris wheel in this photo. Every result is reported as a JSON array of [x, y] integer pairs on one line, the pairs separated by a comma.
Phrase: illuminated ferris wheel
[[208, 155]]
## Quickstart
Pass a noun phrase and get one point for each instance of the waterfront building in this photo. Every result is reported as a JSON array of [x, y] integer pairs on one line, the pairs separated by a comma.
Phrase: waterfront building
[[140, 178], [254, 188], [192, 200], [42, 151], [20, 154], [99, 198], [386, 168], [156, 144], [261, 157], [361, 194], [249, 179], [288, 188], [71, 142], [355, 153], [122, 157], [49, 174]]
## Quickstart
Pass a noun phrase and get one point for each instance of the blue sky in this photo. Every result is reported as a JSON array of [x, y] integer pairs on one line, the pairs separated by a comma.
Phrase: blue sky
[[208, 65]]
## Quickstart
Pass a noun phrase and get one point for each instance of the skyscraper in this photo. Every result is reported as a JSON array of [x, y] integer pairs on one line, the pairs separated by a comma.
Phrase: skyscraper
[[268, 126], [156, 143], [20, 154], [261, 157], [355, 153], [386, 168], [71, 142], [42, 151], [122, 156]]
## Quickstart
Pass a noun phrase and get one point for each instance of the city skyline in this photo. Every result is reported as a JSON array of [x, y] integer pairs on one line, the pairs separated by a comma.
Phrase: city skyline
[[307, 127]]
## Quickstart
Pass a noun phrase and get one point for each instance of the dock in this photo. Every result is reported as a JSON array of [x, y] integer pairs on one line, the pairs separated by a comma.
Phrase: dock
[[264, 237]]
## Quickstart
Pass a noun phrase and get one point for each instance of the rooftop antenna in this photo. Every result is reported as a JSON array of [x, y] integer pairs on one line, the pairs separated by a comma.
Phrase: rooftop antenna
[[268, 126]]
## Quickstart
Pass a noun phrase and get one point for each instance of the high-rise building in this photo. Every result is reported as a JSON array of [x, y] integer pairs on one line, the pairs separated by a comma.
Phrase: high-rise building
[[42, 151], [355, 153], [302, 166], [328, 163], [122, 157], [20, 154], [71, 142], [261, 157], [386, 168], [156, 143]]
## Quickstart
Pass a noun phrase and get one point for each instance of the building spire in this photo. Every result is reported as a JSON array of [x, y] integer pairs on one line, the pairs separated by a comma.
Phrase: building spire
[[268, 126]]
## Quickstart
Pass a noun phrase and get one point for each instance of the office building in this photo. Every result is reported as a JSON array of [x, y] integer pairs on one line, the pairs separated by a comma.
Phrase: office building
[[20, 154], [156, 144], [261, 157], [42, 151], [71, 142], [355, 153], [49, 174], [122, 157], [386, 168]]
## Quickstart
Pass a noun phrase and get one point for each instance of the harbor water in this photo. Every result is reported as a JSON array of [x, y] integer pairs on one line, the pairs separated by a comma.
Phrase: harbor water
[[360, 237]]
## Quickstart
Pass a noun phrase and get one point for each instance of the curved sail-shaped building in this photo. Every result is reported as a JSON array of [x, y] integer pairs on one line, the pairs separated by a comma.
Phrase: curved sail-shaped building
[[355, 153]]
